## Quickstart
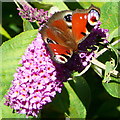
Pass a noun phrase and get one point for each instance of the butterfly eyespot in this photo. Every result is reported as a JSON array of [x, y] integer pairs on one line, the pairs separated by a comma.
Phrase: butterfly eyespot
[[68, 18], [61, 59], [93, 17], [48, 41]]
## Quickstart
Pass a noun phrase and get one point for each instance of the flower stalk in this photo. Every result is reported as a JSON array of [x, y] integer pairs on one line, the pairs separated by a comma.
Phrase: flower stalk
[[105, 49], [94, 61], [114, 73], [23, 3]]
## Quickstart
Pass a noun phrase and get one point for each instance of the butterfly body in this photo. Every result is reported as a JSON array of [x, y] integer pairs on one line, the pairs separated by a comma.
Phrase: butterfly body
[[66, 29]]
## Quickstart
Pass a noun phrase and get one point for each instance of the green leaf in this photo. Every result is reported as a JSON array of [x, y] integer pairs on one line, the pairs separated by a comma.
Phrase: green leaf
[[61, 100], [11, 52], [76, 109], [82, 90], [27, 25], [41, 5], [114, 33], [110, 17], [117, 45], [73, 5], [4, 32], [110, 65], [79, 96], [74, 99], [87, 4], [98, 70], [58, 107], [60, 4], [113, 87], [109, 109], [113, 49], [7, 112]]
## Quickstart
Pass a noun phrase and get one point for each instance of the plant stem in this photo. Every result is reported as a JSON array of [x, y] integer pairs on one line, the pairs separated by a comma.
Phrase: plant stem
[[23, 3], [105, 49], [101, 65]]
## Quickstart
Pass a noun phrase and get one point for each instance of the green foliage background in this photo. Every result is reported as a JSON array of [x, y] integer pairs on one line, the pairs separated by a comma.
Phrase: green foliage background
[[83, 97]]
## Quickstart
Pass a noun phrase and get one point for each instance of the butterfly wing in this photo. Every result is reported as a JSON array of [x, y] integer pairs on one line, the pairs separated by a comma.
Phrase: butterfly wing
[[58, 37], [83, 21]]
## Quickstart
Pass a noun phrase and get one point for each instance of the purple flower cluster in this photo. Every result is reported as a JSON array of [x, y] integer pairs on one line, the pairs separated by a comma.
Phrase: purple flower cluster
[[35, 82], [33, 14]]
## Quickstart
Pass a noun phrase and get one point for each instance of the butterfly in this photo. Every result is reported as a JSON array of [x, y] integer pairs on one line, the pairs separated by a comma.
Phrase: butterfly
[[66, 29]]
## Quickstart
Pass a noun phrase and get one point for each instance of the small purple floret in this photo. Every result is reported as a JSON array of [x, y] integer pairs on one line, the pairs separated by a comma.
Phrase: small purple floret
[[33, 14]]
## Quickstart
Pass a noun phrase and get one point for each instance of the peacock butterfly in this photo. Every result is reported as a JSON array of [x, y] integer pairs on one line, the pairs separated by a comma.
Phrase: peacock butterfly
[[66, 29]]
